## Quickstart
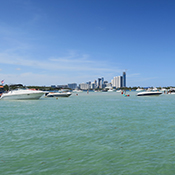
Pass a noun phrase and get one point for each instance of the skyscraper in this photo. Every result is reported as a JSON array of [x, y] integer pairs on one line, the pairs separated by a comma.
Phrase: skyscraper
[[124, 79], [117, 82], [99, 82]]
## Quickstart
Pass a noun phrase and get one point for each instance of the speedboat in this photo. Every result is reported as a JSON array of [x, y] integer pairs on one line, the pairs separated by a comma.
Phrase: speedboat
[[22, 94], [139, 89], [119, 90], [111, 90], [77, 90], [154, 89], [149, 93], [171, 91], [59, 94], [163, 90]]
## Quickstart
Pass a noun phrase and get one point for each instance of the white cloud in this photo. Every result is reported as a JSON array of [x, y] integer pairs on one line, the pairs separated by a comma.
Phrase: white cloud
[[69, 63], [72, 67]]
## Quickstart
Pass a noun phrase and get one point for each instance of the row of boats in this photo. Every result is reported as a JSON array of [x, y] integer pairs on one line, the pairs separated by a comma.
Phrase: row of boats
[[154, 91], [27, 94]]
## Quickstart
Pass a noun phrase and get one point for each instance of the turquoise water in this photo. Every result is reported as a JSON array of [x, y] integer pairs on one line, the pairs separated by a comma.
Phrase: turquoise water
[[95, 133]]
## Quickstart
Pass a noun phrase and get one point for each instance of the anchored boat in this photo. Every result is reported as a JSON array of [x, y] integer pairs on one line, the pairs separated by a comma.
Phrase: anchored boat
[[149, 93], [22, 94]]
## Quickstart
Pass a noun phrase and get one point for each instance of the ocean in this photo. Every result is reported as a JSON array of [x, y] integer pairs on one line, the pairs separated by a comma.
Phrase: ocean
[[98, 133]]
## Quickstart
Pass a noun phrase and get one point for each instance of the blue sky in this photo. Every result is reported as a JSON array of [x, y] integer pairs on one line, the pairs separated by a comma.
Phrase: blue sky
[[46, 42]]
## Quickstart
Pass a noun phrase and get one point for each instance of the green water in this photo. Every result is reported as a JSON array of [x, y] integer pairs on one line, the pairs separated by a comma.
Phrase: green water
[[88, 134]]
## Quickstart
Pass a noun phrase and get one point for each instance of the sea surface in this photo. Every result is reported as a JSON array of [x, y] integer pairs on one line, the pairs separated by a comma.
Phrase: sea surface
[[98, 133]]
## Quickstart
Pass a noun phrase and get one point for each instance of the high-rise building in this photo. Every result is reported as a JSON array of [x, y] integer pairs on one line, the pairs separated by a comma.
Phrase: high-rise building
[[124, 79], [99, 82], [93, 86], [117, 82], [102, 82], [120, 78], [95, 83]]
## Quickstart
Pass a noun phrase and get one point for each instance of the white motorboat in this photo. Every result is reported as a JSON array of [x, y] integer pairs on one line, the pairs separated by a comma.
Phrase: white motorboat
[[154, 89], [139, 89], [59, 94], [171, 91], [77, 91], [119, 90], [149, 93], [163, 90], [111, 90], [22, 94]]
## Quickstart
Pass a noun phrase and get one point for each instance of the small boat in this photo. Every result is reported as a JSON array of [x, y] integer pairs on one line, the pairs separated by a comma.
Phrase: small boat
[[59, 94], [111, 90], [119, 90], [154, 89], [139, 89], [149, 93], [77, 91], [163, 90], [171, 91], [22, 94]]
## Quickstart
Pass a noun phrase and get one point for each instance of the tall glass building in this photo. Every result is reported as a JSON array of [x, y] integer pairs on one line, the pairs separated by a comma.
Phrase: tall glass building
[[124, 79], [99, 82]]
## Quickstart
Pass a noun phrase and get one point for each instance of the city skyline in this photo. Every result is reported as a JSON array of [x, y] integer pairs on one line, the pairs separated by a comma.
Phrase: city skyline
[[43, 42], [99, 83]]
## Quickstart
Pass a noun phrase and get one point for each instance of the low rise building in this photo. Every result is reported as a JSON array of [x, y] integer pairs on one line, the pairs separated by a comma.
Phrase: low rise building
[[72, 85]]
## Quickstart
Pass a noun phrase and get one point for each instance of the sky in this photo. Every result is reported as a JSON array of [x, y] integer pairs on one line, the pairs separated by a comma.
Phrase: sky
[[56, 42]]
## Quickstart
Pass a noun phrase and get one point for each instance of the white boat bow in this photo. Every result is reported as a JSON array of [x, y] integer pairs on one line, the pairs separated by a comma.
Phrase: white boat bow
[[59, 94], [149, 93], [22, 94]]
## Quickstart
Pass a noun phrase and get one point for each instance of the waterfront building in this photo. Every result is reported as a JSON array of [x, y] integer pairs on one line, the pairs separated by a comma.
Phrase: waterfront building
[[95, 83], [89, 83], [93, 86], [117, 82], [72, 85], [114, 82], [84, 86], [102, 82], [99, 82], [105, 84], [124, 79], [120, 84]]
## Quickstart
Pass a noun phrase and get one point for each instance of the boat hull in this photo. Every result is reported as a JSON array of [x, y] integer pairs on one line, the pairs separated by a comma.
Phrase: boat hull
[[28, 96], [59, 94], [149, 93]]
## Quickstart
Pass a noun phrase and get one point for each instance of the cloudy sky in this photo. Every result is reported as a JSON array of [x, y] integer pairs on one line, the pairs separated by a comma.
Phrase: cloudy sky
[[55, 42]]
